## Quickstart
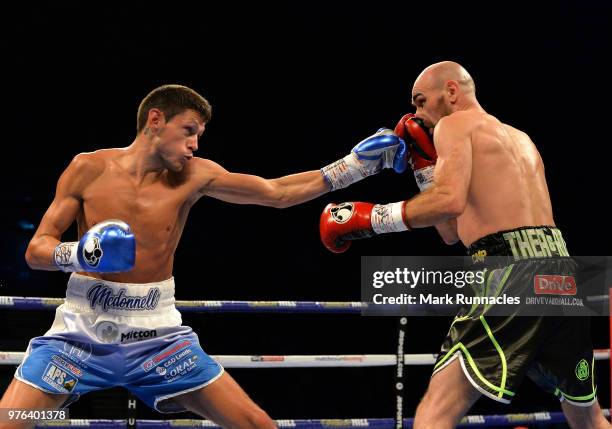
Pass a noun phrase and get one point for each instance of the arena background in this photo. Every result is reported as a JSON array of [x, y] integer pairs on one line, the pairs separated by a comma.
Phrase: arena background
[[293, 87]]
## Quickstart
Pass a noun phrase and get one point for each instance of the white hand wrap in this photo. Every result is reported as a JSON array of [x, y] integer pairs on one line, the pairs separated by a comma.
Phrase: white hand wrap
[[388, 218], [345, 172], [66, 257], [424, 177]]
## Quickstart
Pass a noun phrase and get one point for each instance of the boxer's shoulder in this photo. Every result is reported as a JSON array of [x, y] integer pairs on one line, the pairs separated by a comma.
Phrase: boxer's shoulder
[[88, 166], [94, 162], [456, 126], [202, 169], [197, 173]]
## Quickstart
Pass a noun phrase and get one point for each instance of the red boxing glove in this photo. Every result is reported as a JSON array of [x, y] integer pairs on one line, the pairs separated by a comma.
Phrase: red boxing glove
[[342, 223], [420, 147]]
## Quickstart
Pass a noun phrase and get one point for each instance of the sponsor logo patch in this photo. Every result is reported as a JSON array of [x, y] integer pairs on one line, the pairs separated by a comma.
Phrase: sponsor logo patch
[[138, 335], [77, 352], [554, 285], [76, 371], [58, 378], [582, 370], [181, 369], [155, 360], [107, 332]]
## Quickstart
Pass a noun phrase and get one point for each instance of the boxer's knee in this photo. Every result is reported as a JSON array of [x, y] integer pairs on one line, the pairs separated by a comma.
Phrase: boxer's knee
[[259, 419], [431, 414], [585, 417], [448, 397]]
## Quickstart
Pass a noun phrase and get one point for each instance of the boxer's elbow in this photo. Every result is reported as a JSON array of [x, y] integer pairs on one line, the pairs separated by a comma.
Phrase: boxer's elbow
[[455, 207], [448, 236], [30, 255], [448, 232], [281, 204], [452, 204], [35, 256], [450, 240], [278, 195]]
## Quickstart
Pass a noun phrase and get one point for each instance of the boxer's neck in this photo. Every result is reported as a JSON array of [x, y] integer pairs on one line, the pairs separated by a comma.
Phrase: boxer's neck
[[141, 160]]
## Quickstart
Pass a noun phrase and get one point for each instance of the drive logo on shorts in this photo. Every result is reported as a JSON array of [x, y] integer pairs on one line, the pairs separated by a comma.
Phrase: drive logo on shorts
[[554, 285], [59, 379]]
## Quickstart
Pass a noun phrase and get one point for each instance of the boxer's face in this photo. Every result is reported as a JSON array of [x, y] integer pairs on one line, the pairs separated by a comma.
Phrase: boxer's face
[[177, 139], [430, 106], [429, 99]]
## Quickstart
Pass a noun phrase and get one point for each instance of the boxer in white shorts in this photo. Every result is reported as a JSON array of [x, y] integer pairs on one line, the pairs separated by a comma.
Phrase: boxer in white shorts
[[119, 326]]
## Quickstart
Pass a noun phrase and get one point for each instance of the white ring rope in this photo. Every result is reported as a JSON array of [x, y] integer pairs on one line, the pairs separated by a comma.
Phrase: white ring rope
[[304, 361]]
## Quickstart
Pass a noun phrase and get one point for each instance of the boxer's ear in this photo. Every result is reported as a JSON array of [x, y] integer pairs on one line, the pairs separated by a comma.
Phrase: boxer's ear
[[451, 88], [155, 119]]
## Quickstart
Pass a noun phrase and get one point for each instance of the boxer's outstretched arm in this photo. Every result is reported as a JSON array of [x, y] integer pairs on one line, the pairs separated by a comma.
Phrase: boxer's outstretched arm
[[248, 189], [440, 204], [60, 214]]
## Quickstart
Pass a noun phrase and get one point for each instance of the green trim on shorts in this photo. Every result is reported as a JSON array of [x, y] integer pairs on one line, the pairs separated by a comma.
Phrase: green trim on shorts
[[501, 355], [491, 386], [486, 288], [476, 293], [501, 389], [502, 283], [576, 398], [586, 397]]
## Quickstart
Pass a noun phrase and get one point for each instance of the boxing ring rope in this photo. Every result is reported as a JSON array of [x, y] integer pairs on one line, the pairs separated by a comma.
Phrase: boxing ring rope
[[35, 303], [466, 422], [304, 361], [282, 361]]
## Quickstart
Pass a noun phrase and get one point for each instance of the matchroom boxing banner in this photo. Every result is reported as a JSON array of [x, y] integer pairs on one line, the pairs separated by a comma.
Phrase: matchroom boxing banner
[[479, 284]]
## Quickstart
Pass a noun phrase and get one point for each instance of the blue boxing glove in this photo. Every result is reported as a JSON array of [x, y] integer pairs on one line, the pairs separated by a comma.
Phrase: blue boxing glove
[[108, 247], [381, 150]]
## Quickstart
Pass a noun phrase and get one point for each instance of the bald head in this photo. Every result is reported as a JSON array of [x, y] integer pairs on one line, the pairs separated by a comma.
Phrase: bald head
[[437, 75], [442, 89]]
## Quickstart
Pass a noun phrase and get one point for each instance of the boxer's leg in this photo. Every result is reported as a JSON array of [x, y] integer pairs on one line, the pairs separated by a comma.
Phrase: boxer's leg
[[589, 417], [22, 395], [449, 396], [224, 402]]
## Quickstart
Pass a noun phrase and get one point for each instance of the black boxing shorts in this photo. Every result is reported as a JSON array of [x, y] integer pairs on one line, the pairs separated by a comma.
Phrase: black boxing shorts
[[497, 351]]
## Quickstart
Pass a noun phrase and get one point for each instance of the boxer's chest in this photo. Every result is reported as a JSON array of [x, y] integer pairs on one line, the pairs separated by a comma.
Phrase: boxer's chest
[[149, 208]]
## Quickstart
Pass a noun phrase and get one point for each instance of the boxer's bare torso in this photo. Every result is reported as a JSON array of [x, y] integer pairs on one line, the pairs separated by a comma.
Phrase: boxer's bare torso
[[151, 185], [507, 188], [156, 209]]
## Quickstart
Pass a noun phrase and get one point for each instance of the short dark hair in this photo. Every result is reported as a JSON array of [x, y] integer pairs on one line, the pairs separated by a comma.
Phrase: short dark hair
[[172, 100]]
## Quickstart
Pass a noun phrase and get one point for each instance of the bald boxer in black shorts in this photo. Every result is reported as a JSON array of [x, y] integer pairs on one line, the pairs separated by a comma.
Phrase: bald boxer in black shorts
[[483, 184]]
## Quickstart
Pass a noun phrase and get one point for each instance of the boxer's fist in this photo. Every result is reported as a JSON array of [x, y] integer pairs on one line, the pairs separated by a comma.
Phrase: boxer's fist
[[107, 247], [341, 223], [381, 150], [421, 149]]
